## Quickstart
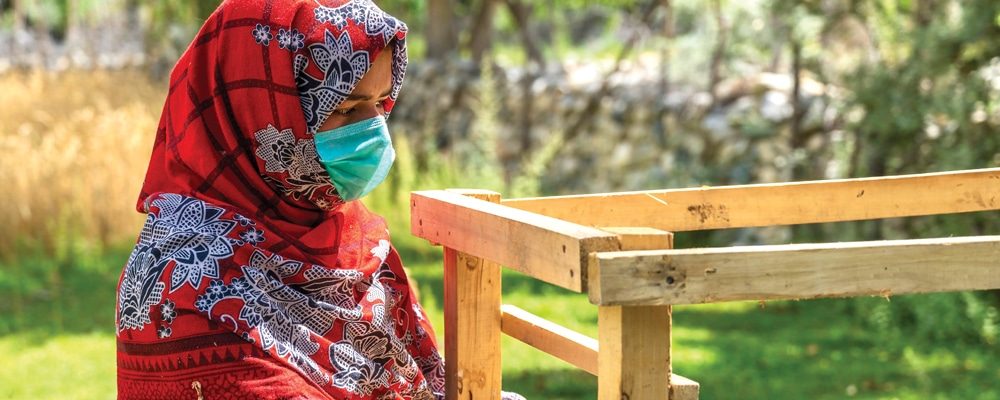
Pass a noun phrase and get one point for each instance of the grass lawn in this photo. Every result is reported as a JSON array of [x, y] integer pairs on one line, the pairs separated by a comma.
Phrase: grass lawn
[[807, 350]]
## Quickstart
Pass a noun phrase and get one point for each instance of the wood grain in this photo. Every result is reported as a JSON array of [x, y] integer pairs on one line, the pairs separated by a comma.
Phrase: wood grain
[[545, 248], [798, 271], [572, 347], [558, 341], [740, 206], [634, 359], [472, 323], [641, 238]]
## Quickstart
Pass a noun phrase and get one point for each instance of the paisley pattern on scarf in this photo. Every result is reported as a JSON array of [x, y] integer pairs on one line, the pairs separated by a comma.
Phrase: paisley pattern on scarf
[[251, 277], [190, 234]]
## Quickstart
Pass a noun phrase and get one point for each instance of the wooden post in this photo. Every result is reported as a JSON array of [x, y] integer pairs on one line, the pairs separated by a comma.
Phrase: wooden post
[[472, 322], [634, 356], [634, 360]]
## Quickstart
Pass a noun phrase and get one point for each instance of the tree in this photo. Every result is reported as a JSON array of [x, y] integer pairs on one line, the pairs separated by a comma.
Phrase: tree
[[441, 37]]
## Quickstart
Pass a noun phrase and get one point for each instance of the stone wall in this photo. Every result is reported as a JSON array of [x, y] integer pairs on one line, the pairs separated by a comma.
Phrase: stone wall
[[639, 137]]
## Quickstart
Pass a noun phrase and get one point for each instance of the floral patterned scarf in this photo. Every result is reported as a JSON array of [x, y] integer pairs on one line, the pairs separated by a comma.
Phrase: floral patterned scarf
[[251, 278]]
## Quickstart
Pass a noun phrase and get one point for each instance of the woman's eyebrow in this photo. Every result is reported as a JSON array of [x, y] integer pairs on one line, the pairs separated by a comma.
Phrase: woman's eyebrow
[[353, 96]]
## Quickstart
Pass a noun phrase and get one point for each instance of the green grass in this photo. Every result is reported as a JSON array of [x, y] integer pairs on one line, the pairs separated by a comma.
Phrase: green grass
[[63, 366], [60, 345]]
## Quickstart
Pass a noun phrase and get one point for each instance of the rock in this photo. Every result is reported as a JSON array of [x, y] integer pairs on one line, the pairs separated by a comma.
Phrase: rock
[[775, 107]]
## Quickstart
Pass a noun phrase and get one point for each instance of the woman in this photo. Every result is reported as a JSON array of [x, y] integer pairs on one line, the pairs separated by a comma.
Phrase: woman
[[256, 274]]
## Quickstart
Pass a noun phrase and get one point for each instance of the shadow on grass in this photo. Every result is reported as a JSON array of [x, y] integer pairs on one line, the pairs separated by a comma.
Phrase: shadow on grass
[[552, 384]]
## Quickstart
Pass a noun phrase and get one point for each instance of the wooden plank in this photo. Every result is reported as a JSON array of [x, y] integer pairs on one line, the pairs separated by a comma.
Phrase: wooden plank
[[634, 359], [797, 271], [472, 323], [575, 348], [779, 203], [682, 388], [630, 238], [563, 343], [642, 238], [545, 248]]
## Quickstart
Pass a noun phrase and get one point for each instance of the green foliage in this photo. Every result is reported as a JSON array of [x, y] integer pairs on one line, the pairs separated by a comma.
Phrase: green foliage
[[924, 105], [924, 109], [946, 317], [478, 155]]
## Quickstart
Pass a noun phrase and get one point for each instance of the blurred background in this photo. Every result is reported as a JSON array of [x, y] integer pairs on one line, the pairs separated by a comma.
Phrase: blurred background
[[542, 98]]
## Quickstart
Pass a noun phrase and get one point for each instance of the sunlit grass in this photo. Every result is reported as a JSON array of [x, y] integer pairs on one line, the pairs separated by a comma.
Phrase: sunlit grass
[[64, 366]]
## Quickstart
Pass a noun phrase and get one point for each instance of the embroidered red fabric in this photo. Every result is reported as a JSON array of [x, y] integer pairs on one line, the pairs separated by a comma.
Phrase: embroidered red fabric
[[251, 278]]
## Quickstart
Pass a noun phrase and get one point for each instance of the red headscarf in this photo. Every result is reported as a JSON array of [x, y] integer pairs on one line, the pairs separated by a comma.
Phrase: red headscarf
[[251, 278]]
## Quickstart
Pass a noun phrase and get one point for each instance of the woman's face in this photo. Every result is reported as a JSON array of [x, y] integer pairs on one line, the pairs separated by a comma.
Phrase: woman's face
[[366, 100]]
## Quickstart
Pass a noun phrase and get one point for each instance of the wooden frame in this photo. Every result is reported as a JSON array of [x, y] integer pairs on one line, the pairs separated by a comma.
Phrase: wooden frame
[[618, 248], [740, 206]]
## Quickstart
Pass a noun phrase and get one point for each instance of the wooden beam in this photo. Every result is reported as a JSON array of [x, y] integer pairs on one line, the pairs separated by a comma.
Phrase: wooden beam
[[797, 271], [642, 238], [631, 238], [635, 349], [778, 203], [570, 346], [563, 343], [545, 248], [682, 388], [472, 323]]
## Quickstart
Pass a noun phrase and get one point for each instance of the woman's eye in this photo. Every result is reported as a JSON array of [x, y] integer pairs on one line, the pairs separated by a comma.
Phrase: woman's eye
[[345, 111]]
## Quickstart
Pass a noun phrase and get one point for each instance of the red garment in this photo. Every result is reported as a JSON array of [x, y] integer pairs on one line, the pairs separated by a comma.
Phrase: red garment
[[251, 278]]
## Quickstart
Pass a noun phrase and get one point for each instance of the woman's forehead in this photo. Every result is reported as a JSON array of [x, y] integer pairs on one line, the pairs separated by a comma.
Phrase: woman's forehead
[[377, 82]]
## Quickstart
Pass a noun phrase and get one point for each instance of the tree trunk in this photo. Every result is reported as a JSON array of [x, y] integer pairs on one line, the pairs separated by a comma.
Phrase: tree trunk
[[719, 52], [798, 138], [778, 32], [481, 38], [668, 39], [522, 16], [584, 118], [662, 108], [527, 106], [441, 38]]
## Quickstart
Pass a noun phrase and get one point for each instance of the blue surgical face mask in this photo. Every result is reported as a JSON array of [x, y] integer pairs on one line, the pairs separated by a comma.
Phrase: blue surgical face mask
[[357, 156]]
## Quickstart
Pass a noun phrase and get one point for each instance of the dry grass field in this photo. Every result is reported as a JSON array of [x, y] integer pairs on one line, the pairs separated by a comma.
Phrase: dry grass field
[[75, 148]]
